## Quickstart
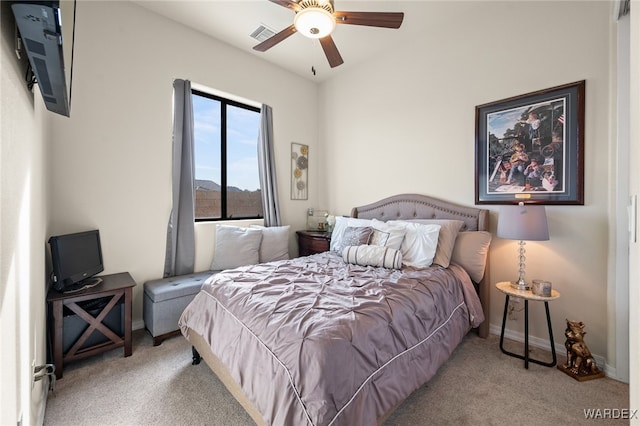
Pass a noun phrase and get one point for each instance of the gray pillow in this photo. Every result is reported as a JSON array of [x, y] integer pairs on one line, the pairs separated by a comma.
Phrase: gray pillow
[[274, 244], [338, 230], [355, 236], [236, 246], [470, 252]]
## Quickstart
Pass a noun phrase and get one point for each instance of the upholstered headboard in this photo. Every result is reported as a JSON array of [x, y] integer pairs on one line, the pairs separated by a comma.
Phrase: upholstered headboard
[[417, 206]]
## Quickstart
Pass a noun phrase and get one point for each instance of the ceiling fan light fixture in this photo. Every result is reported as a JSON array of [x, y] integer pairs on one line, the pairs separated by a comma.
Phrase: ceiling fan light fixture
[[316, 19], [314, 22]]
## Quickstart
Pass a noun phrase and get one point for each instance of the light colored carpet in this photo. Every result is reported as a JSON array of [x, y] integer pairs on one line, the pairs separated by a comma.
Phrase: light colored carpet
[[477, 386]]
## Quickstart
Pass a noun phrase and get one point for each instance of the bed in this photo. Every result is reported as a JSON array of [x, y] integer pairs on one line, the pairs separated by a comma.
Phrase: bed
[[324, 340]]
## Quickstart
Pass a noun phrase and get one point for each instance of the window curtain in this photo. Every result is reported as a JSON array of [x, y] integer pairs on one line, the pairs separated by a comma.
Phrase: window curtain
[[180, 252], [267, 168], [623, 8]]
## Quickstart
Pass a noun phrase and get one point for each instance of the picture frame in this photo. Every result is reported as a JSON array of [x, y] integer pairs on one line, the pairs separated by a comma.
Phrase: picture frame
[[530, 148], [299, 171]]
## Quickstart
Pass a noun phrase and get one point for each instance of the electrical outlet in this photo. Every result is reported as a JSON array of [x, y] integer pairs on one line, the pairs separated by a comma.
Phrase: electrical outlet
[[511, 312]]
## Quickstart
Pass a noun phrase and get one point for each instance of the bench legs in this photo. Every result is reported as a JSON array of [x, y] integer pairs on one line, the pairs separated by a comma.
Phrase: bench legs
[[161, 338]]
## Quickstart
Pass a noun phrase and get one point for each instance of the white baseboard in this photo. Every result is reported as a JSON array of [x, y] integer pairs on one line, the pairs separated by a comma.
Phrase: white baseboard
[[544, 345], [137, 325]]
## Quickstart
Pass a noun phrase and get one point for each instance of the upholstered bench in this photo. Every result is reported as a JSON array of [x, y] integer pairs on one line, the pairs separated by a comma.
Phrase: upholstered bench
[[164, 301]]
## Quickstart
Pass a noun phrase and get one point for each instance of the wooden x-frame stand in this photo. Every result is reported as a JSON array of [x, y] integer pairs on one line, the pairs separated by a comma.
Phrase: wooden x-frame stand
[[119, 288]]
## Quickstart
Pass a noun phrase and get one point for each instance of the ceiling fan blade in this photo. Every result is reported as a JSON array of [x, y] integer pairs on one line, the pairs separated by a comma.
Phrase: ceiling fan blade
[[286, 3], [370, 19], [331, 51], [275, 39]]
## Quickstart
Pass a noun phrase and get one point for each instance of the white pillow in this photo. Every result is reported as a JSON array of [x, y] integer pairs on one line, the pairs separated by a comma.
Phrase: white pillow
[[364, 255], [338, 230], [274, 244], [449, 229], [470, 252], [419, 245], [387, 235], [236, 246]]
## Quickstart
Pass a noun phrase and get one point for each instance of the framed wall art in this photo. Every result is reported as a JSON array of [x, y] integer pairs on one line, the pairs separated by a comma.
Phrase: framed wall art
[[531, 148], [299, 171]]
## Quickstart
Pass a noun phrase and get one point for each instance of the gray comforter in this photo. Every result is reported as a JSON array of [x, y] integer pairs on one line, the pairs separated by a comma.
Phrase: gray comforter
[[316, 341]]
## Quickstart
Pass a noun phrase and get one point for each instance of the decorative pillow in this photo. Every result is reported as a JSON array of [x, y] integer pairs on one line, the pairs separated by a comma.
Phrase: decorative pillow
[[386, 235], [470, 252], [449, 229], [338, 230], [274, 244], [382, 257], [379, 238], [355, 236], [236, 246], [419, 244]]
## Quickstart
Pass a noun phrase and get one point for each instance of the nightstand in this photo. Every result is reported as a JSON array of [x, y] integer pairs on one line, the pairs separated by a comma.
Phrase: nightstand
[[97, 319], [312, 242], [527, 295]]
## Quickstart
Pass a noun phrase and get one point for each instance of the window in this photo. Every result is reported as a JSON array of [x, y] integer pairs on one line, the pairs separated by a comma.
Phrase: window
[[227, 185]]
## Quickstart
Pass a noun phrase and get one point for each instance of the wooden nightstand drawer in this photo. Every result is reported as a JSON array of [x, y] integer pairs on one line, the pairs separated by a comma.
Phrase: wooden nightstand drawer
[[312, 242]]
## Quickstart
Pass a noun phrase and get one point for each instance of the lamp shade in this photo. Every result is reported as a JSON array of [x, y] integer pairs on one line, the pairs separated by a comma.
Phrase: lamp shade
[[523, 222]]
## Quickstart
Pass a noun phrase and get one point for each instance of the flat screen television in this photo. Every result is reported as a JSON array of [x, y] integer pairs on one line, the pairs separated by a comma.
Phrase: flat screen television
[[76, 258]]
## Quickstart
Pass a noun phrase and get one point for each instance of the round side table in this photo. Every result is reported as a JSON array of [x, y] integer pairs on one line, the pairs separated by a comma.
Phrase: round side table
[[507, 288]]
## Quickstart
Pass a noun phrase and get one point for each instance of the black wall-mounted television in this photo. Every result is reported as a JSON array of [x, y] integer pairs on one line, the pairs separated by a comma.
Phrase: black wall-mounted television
[[76, 258], [47, 31]]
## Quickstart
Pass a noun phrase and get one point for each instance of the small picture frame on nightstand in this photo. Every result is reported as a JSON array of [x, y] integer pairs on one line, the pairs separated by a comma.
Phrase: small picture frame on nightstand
[[316, 219]]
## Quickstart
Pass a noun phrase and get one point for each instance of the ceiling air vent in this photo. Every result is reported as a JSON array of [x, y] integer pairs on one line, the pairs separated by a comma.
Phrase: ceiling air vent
[[262, 33]]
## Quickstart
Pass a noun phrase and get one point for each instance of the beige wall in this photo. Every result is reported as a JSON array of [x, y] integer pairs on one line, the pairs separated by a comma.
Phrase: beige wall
[[23, 227], [112, 158], [405, 123]]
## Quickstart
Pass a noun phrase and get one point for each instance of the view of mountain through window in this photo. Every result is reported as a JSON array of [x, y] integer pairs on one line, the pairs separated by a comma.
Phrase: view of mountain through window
[[226, 158]]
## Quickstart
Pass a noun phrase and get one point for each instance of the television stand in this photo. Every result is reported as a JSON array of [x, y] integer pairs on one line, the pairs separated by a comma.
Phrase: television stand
[[116, 286], [84, 284]]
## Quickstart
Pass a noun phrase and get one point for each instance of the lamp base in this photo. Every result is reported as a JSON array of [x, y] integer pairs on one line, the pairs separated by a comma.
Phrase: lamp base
[[520, 285]]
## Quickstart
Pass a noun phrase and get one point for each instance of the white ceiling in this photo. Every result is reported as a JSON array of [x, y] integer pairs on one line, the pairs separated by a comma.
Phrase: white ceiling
[[232, 21]]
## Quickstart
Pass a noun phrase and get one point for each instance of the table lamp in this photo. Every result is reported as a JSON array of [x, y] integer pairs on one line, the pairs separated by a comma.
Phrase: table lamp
[[524, 222]]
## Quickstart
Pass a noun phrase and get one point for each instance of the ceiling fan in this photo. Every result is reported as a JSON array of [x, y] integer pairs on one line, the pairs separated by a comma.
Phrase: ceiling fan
[[318, 18]]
